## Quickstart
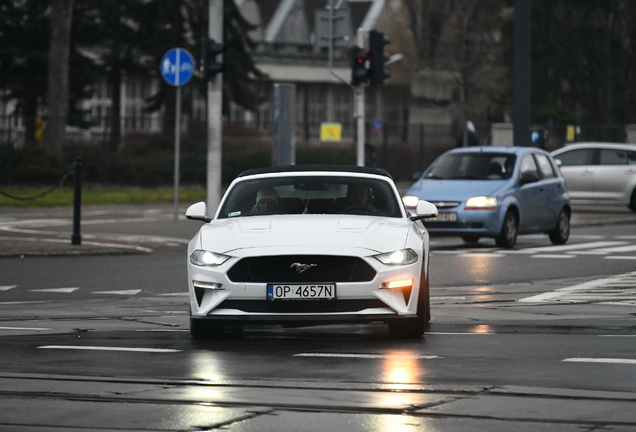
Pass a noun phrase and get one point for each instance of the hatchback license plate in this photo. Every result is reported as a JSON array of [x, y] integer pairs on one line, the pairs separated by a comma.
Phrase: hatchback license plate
[[443, 217], [301, 291]]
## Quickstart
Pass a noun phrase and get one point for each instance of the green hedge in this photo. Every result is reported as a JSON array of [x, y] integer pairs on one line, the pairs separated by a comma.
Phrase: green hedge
[[148, 160]]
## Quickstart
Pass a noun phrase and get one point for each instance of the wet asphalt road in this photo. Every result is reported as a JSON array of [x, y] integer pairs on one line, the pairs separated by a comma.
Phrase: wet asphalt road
[[109, 350]]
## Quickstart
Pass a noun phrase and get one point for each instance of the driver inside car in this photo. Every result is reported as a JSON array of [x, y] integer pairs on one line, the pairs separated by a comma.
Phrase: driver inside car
[[359, 198]]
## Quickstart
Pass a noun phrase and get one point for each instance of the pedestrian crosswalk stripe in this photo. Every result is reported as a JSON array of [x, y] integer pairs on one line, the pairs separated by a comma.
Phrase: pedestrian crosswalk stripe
[[124, 292], [57, 290]]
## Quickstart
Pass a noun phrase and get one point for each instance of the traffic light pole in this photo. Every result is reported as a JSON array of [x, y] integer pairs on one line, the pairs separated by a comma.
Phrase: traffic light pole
[[358, 94], [215, 112]]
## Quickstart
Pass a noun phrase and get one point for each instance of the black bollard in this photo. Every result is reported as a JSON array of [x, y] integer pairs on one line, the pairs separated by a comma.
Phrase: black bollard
[[76, 238]]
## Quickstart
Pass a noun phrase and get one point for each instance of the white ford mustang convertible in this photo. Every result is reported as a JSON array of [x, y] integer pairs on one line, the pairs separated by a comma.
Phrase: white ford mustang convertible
[[310, 244]]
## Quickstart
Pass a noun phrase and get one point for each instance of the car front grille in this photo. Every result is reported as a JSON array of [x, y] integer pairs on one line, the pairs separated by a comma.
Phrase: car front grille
[[301, 269]]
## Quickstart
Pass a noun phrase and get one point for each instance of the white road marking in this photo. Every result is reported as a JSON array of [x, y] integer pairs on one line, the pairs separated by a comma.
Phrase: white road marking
[[608, 250], [123, 292], [548, 256], [7, 287], [564, 248], [57, 290], [600, 360], [619, 289], [25, 328], [366, 356], [103, 348], [450, 333], [620, 257]]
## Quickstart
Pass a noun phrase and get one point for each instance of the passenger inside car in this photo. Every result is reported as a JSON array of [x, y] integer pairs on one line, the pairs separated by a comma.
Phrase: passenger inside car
[[268, 201]]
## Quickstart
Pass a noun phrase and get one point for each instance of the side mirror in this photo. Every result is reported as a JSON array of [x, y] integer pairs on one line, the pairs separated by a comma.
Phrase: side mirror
[[558, 162], [423, 210], [198, 211], [528, 177]]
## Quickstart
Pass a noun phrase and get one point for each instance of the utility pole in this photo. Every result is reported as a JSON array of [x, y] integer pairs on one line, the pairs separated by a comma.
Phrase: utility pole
[[215, 113], [358, 95], [521, 74]]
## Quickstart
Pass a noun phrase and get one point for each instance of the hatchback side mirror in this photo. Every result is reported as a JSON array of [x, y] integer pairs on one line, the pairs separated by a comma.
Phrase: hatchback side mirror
[[528, 177]]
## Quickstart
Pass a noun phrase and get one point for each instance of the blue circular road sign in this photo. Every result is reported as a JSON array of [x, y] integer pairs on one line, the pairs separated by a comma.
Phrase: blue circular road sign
[[177, 66]]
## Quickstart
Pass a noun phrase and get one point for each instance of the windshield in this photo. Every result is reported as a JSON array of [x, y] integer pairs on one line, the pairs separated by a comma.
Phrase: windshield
[[472, 166], [311, 195]]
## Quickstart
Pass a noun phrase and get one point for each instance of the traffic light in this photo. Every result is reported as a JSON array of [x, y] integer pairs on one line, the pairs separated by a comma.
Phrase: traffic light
[[377, 73], [209, 64], [359, 72]]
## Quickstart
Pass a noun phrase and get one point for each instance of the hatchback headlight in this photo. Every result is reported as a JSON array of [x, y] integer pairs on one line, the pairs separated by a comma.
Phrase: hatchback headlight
[[398, 257], [481, 203], [410, 201], [207, 258]]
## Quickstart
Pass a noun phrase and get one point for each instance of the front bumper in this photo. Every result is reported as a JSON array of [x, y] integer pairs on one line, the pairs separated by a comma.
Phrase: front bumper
[[247, 302]]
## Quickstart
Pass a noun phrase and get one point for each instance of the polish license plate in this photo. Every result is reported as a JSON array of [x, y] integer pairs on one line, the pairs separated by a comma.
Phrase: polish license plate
[[443, 217], [301, 291]]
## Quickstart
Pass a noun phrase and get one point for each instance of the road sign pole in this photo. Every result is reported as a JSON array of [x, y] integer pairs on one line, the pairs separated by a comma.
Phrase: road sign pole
[[177, 153], [177, 68]]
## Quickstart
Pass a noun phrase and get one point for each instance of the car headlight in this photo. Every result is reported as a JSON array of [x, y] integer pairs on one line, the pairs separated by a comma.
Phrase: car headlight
[[410, 201], [207, 258], [399, 257], [481, 203]]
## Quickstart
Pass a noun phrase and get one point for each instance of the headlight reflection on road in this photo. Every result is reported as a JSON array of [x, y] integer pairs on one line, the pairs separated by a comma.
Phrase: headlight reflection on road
[[479, 266], [205, 366], [400, 368]]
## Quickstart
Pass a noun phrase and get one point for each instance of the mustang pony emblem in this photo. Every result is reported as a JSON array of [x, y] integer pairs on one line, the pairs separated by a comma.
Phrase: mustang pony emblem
[[301, 267]]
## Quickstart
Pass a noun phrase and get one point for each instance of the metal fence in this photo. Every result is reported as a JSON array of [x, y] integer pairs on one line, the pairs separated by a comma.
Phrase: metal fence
[[144, 152]]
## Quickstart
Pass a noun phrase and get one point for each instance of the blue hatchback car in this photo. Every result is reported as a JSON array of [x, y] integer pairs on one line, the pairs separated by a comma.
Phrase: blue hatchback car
[[496, 192]]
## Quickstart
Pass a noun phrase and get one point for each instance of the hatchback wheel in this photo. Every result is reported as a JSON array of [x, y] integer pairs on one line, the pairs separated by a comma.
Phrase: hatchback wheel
[[632, 201], [508, 235], [561, 234]]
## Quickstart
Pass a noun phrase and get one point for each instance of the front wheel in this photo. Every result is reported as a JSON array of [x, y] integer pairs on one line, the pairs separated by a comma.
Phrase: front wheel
[[632, 202], [509, 230], [407, 328], [204, 329], [470, 238], [561, 233]]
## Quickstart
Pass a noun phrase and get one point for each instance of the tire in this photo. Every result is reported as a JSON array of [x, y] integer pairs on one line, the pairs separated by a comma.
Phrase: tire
[[407, 328], [632, 202], [413, 328], [203, 329], [509, 231], [561, 233], [471, 239]]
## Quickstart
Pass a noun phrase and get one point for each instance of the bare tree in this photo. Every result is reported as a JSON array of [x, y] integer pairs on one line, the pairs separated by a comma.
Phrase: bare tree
[[459, 38], [57, 95]]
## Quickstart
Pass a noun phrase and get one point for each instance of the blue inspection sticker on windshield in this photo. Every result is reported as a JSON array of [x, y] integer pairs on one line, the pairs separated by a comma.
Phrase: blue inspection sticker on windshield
[[234, 214]]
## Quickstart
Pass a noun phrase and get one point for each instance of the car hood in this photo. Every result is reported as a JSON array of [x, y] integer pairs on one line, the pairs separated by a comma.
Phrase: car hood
[[455, 190], [306, 232]]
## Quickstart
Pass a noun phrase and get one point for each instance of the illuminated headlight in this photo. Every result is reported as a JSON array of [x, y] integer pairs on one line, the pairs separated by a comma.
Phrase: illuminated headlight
[[207, 258], [410, 201], [399, 257], [481, 202]]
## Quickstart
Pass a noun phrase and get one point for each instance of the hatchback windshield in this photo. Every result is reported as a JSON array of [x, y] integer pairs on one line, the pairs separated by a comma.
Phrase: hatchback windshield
[[311, 195], [472, 166]]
